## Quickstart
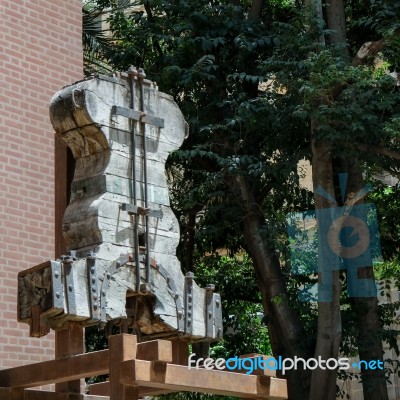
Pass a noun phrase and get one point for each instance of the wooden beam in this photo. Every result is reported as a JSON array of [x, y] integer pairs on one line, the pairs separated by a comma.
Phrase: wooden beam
[[45, 395], [103, 389], [181, 378], [155, 350], [42, 395], [11, 394], [258, 371], [55, 371], [99, 389]]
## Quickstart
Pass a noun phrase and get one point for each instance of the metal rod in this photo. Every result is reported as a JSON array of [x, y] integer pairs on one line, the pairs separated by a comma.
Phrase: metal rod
[[141, 76], [132, 73]]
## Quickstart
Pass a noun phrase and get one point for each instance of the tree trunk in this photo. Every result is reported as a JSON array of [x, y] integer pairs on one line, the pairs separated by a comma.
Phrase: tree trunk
[[323, 380], [256, 8], [369, 330], [337, 23], [284, 325]]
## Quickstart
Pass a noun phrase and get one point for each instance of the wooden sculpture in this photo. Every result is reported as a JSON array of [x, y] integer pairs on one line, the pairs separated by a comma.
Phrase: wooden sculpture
[[119, 227]]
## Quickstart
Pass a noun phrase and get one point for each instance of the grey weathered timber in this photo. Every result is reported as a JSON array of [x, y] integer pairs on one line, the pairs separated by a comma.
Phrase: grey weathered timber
[[119, 227]]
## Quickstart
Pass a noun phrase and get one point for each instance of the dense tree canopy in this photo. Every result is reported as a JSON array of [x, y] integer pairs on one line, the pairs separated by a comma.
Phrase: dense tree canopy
[[263, 85]]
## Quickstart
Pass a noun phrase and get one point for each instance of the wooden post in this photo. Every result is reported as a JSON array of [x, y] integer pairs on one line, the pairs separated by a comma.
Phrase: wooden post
[[180, 352], [16, 394], [69, 342], [121, 347]]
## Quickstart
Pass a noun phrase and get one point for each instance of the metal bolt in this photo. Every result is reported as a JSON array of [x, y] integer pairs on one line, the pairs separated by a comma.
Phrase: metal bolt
[[103, 293], [93, 280], [132, 69], [56, 274], [176, 296], [118, 264], [145, 288], [95, 306], [58, 295], [210, 314], [92, 270], [95, 297], [70, 287], [180, 313], [217, 303], [94, 289], [71, 253], [108, 275]]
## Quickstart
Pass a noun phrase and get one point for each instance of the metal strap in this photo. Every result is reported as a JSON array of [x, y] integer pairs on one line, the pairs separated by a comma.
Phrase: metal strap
[[189, 303], [141, 75], [137, 210], [133, 186], [139, 116], [138, 75]]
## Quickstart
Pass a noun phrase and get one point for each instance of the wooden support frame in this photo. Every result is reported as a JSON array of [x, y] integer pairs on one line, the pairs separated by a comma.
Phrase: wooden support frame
[[135, 370], [180, 378], [56, 371], [69, 342]]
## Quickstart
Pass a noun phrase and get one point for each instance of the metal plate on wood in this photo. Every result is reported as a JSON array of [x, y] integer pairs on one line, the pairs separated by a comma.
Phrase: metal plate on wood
[[58, 285], [210, 310], [137, 210], [189, 302], [94, 286], [174, 293], [138, 116]]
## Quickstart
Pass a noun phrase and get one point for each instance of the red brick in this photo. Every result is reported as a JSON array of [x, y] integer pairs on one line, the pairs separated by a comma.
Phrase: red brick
[[40, 53]]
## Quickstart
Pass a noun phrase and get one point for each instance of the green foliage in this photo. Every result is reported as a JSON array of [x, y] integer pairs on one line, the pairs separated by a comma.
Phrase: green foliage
[[387, 202], [96, 44], [249, 88], [235, 280]]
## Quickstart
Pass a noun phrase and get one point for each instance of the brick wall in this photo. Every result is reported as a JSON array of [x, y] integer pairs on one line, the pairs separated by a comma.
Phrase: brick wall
[[40, 51]]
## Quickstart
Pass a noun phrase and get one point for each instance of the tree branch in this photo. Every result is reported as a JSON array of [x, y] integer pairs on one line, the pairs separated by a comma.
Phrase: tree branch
[[150, 17], [376, 149], [368, 51]]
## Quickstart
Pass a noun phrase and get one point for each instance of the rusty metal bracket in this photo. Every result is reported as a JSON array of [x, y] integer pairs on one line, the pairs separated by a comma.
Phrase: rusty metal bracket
[[137, 210]]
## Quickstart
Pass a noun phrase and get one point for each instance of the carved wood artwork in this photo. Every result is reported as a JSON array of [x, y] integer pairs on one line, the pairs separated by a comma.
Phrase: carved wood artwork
[[120, 130]]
